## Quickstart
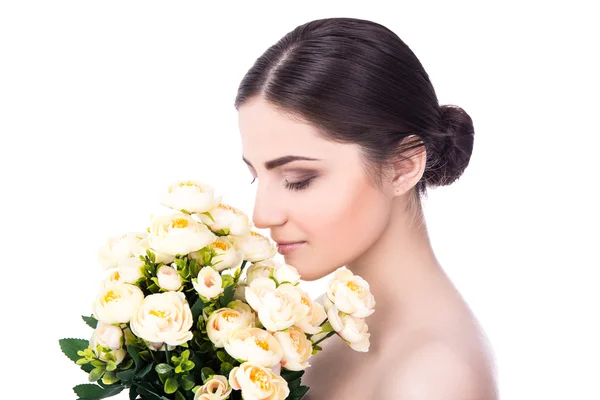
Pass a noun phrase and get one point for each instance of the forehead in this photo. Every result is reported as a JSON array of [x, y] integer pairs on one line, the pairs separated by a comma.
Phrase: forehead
[[267, 133]]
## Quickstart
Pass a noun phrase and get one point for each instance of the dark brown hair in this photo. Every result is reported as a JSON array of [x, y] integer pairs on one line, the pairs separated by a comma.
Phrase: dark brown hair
[[358, 82]]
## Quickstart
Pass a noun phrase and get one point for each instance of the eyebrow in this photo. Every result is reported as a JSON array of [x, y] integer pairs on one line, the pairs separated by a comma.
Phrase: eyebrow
[[278, 162]]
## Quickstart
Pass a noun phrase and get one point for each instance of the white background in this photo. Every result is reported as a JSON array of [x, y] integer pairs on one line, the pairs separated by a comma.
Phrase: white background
[[103, 104]]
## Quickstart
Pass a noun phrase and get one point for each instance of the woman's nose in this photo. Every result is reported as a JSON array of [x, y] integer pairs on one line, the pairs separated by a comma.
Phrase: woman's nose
[[268, 211]]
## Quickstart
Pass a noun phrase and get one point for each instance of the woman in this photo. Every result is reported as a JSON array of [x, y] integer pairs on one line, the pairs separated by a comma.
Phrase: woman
[[342, 127]]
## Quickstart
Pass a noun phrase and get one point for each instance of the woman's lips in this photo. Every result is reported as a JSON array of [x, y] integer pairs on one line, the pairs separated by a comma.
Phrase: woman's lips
[[287, 248]]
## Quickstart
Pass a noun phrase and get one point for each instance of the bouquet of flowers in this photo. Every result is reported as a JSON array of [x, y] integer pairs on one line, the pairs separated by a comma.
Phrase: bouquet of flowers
[[179, 316]]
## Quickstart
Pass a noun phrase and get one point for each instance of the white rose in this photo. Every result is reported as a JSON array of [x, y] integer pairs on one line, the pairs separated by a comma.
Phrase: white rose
[[286, 273], [191, 196], [110, 339], [130, 270], [178, 234], [227, 255], [311, 324], [350, 294], [120, 248], [216, 388], [117, 302], [224, 321], [258, 383], [353, 330], [163, 317], [209, 283], [255, 246], [297, 349], [158, 256], [261, 269], [278, 308], [228, 219], [254, 345], [168, 278]]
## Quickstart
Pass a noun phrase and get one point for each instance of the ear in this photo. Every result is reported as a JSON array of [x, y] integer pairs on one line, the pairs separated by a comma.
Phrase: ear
[[409, 166]]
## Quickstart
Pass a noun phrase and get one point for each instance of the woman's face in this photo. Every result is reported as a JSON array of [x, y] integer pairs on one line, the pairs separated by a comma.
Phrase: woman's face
[[313, 194]]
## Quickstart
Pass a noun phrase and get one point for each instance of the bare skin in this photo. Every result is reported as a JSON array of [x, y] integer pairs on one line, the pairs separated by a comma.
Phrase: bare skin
[[425, 342]]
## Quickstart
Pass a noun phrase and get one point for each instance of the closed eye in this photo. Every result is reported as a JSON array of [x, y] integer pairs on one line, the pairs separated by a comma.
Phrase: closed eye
[[298, 185]]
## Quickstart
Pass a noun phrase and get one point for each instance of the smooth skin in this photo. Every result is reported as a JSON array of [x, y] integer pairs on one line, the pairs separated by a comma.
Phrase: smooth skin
[[425, 342]]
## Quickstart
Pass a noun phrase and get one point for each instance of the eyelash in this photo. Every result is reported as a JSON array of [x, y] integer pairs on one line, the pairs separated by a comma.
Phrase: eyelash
[[294, 185]]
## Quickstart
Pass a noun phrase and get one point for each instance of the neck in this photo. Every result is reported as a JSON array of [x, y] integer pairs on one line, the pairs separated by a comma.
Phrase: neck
[[402, 271]]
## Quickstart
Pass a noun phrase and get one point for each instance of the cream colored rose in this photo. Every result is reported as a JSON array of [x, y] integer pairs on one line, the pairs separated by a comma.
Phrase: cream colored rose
[[350, 294], [191, 196], [130, 270], [158, 256], [278, 308], [108, 339], [281, 272], [209, 283], [261, 269], [311, 324], [216, 388], [254, 345], [353, 330], [163, 317], [168, 278], [258, 383], [227, 255], [297, 349], [121, 248], [227, 218], [117, 302], [254, 246], [178, 234], [224, 321]]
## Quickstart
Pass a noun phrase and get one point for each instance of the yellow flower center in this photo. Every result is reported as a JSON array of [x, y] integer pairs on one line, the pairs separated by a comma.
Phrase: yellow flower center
[[261, 343], [111, 296], [179, 223], [354, 287], [256, 234], [225, 207], [305, 302], [158, 313], [260, 378], [220, 245], [189, 183], [295, 340], [229, 315]]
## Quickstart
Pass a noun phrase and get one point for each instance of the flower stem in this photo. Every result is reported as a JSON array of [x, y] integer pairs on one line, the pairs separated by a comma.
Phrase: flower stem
[[323, 338]]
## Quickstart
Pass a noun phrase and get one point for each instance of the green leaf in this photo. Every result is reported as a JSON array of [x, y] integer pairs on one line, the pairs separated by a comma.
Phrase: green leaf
[[90, 391], [133, 392], [209, 216], [299, 392], [179, 396], [126, 376], [91, 321], [71, 346], [171, 386], [149, 391], [197, 308], [188, 382], [163, 368], [226, 368], [109, 378], [142, 372], [96, 374], [227, 295], [291, 375], [206, 373], [134, 354]]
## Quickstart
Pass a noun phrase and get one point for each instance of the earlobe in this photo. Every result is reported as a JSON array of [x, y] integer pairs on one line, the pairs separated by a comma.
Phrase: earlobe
[[410, 165]]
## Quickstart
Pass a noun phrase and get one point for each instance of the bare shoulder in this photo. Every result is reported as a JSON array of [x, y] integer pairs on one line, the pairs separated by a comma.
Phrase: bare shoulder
[[436, 371]]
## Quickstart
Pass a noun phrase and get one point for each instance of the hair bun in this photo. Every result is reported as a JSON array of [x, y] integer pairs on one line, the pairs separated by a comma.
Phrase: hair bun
[[455, 151]]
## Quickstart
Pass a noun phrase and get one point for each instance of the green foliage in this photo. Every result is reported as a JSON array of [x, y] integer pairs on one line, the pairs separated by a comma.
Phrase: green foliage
[[91, 321]]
